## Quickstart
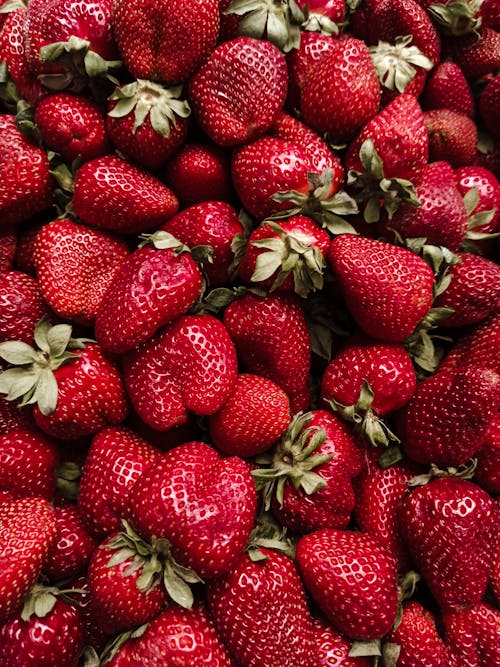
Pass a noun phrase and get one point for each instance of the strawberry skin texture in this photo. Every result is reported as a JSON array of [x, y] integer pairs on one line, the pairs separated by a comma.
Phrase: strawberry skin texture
[[476, 55], [489, 106], [447, 88], [260, 611], [480, 347], [333, 648], [202, 503], [190, 366], [387, 289], [452, 137], [27, 530], [487, 473], [75, 265], [488, 187], [109, 193], [151, 288], [116, 459], [352, 579], [165, 40], [238, 92], [449, 526], [21, 306], [472, 636]]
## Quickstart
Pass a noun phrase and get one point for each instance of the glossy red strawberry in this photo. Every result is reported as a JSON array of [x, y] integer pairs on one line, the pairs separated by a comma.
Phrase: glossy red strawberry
[[472, 636], [479, 347], [447, 88], [334, 649], [21, 306], [488, 190]]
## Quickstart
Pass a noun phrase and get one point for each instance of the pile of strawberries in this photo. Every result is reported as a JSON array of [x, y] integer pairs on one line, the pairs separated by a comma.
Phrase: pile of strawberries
[[250, 333]]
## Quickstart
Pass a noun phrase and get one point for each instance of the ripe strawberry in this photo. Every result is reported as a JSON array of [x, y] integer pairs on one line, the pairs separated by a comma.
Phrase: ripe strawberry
[[72, 125], [387, 289], [352, 579], [27, 529], [271, 338], [190, 366], [479, 347], [447, 88], [477, 54], [194, 478], [28, 463], [308, 476], [486, 213], [157, 283], [341, 92], [473, 293], [447, 417], [239, 90], [112, 194], [21, 306], [167, 42], [210, 223], [147, 122], [25, 174], [75, 265], [487, 473], [472, 636], [259, 608], [495, 573], [254, 416], [452, 137], [334, 649], [8, 248], [489, 107], [416, 639], [490, 14], [116, 459], [449, 528]]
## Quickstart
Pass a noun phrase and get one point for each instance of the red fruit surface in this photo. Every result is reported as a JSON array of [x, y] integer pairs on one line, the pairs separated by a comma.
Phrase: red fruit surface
[[21, 306], [472, 635], [489, 106], [479, 347], [334, 649], [447, 88], [452, 137], [487, 473], [488, 187]]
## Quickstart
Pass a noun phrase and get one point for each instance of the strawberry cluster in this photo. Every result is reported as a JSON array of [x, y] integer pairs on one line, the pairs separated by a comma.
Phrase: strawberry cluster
[[250, 333]]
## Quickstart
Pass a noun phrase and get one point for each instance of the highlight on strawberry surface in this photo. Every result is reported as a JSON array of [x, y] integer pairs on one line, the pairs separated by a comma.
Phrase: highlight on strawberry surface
[[250, 333]]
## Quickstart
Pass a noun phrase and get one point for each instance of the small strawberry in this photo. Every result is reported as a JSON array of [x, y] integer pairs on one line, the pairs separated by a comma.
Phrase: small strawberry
[[21, 306], [352, 579], [452, 137], [447, 88], [472, 636], [489, 107], [487, 473]]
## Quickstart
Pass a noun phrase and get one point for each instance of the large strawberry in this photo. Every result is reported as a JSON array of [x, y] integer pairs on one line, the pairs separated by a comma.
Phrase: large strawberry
[[157, 283], [21, 306], [479, 347], [472, 636], [190, 366]]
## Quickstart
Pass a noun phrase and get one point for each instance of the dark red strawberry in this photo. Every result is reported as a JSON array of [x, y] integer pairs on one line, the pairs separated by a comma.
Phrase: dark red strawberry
[[472, 636], [487, 473], [447, 88], [21, 306], [190, 366], [490, 14], [488, 195], [480, 347], [452, 137], [8, 248], [476, 54], [489, 106], [157, 283]]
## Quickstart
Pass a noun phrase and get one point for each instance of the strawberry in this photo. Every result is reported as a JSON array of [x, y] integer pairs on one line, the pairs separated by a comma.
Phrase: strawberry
[[449, 528], [479, 347], [477, 54], [487, 473], [334, 649], [308, 476], [495, 573], [254, 416], [387, 289], [447, 417], [472, 635], [238, 92], [21, 306], [490, 14], [28, 463], [190, 366], [416, 640], [72, 126], [334, 11], [167, 42], [8, 248], [353, 96], [25, 174], [155, 284], [194, 480], [452, 137], [27, 530], [75, 265], [147, 122], [489, 107], [116, 459], [259, 608], [447, 88], [352, 579], [488, 195], [12, 416], [112, 194], [210, 223]]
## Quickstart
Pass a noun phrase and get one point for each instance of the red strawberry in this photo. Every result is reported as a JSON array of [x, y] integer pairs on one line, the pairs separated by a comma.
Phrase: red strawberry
[[8, 248], [25, 174], [254, 416], [193, 480], [21, 306], [452, 137], [490, 14], [489, 106], [157, 283], [487, 473], [116, 459], [388, 289], [449, 528], [147, 122], [472, 636], [27, 529], [190, 366], [318, 10], [495, 572], [168, 41], [12, 416], [476, 54], [480, 347], [259, 608], [238, 92], [352, 579], [447, 88], [28, 463], [334, 649], [488, 191], [75, 265], [112, 194], [416, 640], [72, 126], [447, 417]]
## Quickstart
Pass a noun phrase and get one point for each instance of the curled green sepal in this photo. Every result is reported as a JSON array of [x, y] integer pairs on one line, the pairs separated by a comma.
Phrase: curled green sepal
[[457, 18], [163, 240], [396, 63], [268, 534]]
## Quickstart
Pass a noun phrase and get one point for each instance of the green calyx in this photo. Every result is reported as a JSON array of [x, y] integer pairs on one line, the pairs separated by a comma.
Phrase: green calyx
[[40, 600], [316, 204], [315, 22], [155, 563], [465, 471], [365, 420], [457, 18], [477, 220], [268, 534], [68, 476], [377, 191], [278, 21], [146, 99], [293, 460], [31, 375], [163, 240], [396, 63]]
